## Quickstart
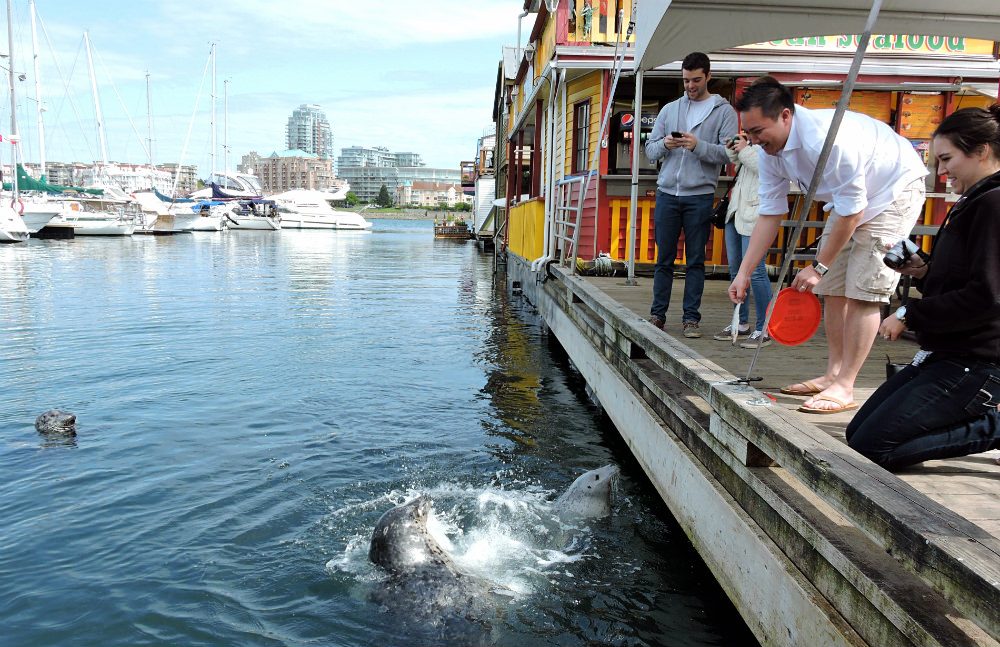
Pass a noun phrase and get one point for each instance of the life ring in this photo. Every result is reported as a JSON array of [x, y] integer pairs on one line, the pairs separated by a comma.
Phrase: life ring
[[20, 206]]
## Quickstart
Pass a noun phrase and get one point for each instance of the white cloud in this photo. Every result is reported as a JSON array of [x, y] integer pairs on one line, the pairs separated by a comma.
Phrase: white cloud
[[409, 76]]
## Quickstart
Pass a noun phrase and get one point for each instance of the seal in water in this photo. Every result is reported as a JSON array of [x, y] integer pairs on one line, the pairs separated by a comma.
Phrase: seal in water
[[591, 493], [425, 580], [56, 422]]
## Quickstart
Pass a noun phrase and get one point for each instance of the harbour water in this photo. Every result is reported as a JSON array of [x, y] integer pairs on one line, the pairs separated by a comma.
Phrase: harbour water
[[249, 404]]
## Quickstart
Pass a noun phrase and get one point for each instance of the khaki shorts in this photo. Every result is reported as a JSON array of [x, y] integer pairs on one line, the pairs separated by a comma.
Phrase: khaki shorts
[[858, 271]]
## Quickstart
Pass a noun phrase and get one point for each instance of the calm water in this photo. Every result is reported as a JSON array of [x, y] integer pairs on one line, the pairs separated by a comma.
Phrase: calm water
[[250, 403]]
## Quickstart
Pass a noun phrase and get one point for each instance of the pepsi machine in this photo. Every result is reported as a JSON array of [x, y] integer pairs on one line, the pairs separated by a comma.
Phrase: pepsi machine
[[621, 143]]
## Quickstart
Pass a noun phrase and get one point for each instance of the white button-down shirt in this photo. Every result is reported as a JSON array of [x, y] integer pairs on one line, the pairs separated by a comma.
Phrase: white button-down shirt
[[868, 165]]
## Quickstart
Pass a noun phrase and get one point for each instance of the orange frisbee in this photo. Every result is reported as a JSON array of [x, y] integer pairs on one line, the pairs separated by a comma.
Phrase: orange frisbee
[[795, 318]]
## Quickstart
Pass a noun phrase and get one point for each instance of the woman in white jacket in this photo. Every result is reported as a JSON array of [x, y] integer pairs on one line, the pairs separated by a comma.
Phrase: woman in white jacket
[[744, 208]]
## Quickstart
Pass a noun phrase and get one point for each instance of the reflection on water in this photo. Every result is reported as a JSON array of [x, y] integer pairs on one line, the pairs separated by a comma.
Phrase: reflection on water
[[249, 403]]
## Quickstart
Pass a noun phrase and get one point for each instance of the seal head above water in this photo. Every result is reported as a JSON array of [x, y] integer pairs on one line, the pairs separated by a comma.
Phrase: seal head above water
[[591, 493], [56, 423]]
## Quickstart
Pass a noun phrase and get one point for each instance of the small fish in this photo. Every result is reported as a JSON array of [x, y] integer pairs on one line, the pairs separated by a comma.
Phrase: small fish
[[735, 325]]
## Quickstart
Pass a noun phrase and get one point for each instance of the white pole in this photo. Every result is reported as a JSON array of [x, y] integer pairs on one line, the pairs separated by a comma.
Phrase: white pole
[[38, 93], [13, 102], [633, 206], [225, 146], [149, 124], [213, 108], [97, 102]]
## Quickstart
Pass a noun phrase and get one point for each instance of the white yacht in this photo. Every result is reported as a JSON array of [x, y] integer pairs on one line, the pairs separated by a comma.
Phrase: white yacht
[[252, 214], [198, 216], [310, 209], [12, 228]]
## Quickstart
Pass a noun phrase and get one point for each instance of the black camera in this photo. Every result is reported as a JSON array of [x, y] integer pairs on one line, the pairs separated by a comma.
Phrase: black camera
[[899, 254]]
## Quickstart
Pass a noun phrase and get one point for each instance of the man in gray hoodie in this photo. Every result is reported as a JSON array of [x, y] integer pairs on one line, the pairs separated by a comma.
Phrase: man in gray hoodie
[[690, 136]]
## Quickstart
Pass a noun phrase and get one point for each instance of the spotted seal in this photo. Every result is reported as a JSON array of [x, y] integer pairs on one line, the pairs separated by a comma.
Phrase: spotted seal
[[591, 494], [424, 580], [56, 423]]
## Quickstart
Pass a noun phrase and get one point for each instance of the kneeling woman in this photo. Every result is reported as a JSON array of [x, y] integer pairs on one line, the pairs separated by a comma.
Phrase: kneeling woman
[[945, 403]]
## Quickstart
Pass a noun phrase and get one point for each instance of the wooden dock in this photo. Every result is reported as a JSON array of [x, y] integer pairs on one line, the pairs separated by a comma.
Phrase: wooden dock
[[814, 544]]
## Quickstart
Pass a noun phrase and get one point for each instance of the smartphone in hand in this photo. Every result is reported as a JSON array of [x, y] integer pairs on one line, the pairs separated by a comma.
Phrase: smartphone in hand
[[676, 134]]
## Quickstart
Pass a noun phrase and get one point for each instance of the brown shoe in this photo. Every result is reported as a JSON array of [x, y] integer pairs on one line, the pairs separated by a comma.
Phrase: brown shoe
[[691, 329], [656, 321]]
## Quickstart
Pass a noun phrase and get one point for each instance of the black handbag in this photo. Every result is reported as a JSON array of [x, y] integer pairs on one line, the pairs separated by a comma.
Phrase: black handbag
[[722, 207]]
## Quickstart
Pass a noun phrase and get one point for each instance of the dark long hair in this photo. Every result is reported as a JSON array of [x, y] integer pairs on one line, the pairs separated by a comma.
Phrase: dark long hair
[[969, 129]]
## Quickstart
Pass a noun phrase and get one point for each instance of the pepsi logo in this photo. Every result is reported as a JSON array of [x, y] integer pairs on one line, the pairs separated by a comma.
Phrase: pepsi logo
[[627, 119]]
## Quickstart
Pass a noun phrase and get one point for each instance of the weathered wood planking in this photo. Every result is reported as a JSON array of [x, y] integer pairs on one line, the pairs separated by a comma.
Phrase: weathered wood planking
[[716, 424]]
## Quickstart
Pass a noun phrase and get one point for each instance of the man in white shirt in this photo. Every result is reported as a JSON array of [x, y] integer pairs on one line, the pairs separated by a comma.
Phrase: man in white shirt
[[874, 190]]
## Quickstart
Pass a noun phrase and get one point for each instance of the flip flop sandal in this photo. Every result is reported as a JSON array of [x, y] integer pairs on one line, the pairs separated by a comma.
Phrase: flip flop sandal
[[840, 408], [811, 389]]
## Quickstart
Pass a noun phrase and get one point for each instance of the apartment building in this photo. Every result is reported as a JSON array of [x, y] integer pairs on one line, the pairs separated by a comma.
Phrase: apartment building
[[431, 194], [309, 130], [367, 169], [292, 169]]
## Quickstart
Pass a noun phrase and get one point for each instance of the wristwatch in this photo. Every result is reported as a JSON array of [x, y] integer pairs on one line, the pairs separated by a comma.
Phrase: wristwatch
[[820, 268], [901, 315]]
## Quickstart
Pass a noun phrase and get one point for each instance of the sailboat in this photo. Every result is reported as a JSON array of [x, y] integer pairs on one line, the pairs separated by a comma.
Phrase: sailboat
[[98, 215], [251, 212], [12, 227]]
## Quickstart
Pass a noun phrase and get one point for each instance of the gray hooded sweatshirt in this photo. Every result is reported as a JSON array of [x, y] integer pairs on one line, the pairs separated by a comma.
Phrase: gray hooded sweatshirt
[[684, 172]]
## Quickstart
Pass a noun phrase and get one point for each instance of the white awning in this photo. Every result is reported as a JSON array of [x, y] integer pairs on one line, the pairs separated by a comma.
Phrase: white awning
[[668, 30]]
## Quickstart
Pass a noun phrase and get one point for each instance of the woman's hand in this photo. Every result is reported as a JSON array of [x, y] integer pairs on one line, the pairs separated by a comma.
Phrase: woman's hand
[[915, 267], [891, 328]]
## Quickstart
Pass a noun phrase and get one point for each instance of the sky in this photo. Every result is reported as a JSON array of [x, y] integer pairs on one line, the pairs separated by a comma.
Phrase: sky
[[409, 76]]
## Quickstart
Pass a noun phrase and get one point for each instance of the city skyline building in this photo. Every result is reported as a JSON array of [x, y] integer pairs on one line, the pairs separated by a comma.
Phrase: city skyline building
[[366, 169], [291, 169], [309, 130]]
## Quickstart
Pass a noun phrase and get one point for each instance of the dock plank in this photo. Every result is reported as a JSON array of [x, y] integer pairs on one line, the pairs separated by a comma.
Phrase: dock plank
[[941, 480], [946, 533]]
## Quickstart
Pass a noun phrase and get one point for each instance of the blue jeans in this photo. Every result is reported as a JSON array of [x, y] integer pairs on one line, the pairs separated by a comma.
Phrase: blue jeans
[[693, 214], [943, 408], [736, 249]]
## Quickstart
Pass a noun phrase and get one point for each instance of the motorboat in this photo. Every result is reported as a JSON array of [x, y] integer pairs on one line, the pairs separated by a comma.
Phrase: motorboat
[[310, 209], [253, 214], [199, 216], [12, 227]]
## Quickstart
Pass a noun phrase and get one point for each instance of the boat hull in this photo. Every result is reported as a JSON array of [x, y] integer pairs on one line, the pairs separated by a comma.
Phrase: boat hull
[[196, 222], [12, 227], [292, 221], [258, 223], [85, 227]]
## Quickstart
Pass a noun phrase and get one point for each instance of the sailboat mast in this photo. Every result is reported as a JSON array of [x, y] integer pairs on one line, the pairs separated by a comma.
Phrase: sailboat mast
[[225, 145], [10, 60], [97, 101], [149, 123], [13, 101], [38, 93], [213, 108]]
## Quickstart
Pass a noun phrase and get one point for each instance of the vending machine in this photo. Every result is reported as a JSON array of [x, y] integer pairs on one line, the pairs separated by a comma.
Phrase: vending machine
[[621, 143]]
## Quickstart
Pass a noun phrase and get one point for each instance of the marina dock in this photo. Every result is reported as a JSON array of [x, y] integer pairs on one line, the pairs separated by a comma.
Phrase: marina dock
[[814, 544]]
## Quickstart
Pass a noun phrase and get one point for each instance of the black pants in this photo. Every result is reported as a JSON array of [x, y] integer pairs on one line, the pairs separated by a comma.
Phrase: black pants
[[940, 409]]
